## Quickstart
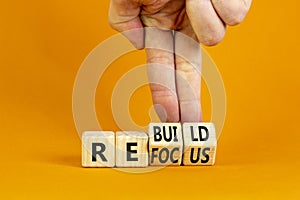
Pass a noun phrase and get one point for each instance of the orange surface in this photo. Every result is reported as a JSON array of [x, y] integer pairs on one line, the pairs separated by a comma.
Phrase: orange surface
[[42, 44]]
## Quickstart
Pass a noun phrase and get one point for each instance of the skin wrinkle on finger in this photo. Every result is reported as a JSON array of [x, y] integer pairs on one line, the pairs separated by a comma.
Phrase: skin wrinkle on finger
[[194, 95], [123, 11], [181, 20], [232, 12], [160, 66], [191, 101], [188, 74], [187, 80], [170, 15], [202, 20], [161, 57], [152, 7], [207, 25], [161, 77], [167, 15], [124, 16]]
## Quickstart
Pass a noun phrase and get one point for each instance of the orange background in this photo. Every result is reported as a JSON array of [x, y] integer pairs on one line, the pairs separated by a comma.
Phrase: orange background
[[42, 44]]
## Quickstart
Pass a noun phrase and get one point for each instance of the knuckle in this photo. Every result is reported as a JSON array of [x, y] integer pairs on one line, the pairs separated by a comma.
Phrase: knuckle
[[235, 17], [237, 14], [232, 12], [212, 39], [160, 60], [187, 70], [161, 91], [112, 23]]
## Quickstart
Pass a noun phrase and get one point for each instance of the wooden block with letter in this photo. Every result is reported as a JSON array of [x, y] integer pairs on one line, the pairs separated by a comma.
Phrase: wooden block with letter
[[165, 143], [131, 149], [200, 143], [98, 149]]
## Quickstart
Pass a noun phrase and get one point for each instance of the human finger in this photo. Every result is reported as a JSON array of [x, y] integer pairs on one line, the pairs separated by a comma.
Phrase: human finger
[[206, 23], [188, 74], [232, 12], [161, 74], [124, 17]]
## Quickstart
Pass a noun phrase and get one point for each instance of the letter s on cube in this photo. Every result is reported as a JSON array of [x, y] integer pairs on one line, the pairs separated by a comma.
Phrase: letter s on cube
[[200, 143]]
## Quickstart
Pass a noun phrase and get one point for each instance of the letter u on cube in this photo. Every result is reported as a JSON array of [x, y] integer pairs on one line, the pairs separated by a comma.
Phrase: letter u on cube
[[165, 144]]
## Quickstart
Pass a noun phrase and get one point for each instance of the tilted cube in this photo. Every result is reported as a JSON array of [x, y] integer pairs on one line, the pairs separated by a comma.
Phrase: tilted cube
[[165, 144], [200, 143]]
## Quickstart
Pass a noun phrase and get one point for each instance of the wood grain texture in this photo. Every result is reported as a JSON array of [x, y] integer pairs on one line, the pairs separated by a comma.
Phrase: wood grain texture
[[131, 149], [165, 144], [200, 143], [98, 149]]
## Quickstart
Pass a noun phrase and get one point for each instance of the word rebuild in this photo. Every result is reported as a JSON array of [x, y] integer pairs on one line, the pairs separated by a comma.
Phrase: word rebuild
[[165, 144]]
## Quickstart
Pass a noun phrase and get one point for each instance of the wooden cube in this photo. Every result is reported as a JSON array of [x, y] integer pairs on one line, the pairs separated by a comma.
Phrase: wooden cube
[[98, 149], [165, 144], [200, 143], [131, 149]]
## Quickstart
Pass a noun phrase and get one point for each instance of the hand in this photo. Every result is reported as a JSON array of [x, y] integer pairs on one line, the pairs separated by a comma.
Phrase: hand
[[178, 93]]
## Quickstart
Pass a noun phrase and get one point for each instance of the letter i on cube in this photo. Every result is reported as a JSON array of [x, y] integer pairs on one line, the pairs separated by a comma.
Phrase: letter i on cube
[[200, 143], [165, 144]]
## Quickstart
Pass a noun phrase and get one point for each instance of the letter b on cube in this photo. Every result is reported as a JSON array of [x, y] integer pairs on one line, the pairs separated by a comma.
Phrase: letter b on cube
[[165, 143]]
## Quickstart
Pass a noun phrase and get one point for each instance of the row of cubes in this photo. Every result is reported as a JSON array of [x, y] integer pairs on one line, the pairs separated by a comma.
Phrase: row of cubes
[[165, 144]]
